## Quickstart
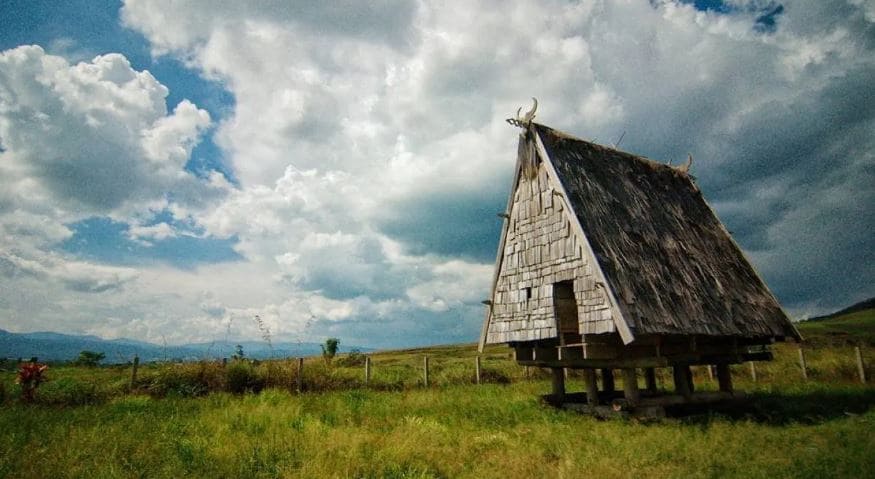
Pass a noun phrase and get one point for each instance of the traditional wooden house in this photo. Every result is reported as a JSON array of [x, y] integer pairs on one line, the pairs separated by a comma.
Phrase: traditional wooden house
[[610, 261]]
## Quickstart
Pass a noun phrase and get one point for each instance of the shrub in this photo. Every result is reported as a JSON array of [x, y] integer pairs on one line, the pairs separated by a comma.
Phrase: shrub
[[242, 377], [353, 359], [89, 358], [191, 379], [70, 392]]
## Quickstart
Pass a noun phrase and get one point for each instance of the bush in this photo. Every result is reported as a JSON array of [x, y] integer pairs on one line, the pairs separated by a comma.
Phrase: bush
[[191, 379], [242, 377], [89, 358], [353, 359], [70, 392]]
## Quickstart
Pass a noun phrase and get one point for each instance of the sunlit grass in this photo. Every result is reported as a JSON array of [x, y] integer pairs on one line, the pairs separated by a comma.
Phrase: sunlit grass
[[178, 422]]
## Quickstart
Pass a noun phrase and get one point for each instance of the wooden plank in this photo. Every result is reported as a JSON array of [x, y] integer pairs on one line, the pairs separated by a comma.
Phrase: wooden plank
[[861, 370], [753, 371]]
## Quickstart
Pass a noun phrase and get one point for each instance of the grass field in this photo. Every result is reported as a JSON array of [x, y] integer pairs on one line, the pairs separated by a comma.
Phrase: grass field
[[86, 424]]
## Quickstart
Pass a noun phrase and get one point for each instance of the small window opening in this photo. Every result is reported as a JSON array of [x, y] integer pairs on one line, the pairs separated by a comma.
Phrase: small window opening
[[528, 293]]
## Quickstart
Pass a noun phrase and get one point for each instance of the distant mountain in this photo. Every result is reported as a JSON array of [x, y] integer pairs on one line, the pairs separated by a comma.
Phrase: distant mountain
[[50, 346]]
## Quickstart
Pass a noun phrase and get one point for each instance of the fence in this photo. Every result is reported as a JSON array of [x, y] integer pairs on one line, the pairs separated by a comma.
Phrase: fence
[[407, 370]]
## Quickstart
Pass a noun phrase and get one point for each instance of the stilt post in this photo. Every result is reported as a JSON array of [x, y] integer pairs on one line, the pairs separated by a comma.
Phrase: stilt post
[[724, 377], [592, 387], [650, 380], [630, 386]]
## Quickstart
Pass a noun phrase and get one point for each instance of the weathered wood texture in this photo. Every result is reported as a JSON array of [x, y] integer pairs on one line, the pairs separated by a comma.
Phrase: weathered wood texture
[[541, 249], [668, 260]]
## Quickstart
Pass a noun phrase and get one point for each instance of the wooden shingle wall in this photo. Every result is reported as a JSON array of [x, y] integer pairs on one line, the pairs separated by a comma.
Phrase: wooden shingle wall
[[541, 249]]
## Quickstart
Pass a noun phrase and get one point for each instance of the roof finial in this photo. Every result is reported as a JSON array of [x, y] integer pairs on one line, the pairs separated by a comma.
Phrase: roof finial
[[686, 168], [525, 120]]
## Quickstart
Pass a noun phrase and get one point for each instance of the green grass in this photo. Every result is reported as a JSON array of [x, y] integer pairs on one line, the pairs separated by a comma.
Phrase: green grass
[[86, 423], [851, 328], [455, 431]]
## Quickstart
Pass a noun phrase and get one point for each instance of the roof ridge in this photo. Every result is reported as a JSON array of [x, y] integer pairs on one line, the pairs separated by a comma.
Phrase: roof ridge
[[562, 135]]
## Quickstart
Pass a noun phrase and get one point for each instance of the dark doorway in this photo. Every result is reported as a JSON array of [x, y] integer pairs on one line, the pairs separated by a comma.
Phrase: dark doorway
[[565, 306]]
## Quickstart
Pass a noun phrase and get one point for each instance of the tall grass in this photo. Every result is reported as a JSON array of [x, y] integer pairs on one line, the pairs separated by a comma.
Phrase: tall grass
[[453, 431]]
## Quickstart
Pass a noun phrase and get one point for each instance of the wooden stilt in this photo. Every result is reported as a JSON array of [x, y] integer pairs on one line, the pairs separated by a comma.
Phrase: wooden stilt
[[724, 377], [608, 380], [559, 384], [681, 380], [592, 387], [630, 386], [650, 379]]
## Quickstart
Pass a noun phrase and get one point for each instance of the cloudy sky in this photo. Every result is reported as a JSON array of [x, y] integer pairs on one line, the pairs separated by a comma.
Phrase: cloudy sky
[[169, 169]]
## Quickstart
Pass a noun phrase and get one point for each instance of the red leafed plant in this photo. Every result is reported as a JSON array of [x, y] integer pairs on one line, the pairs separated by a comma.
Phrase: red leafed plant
[[30, 376]]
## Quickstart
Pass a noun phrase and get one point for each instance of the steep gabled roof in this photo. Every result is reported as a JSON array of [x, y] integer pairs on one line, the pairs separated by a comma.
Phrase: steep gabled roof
[[671, 264]]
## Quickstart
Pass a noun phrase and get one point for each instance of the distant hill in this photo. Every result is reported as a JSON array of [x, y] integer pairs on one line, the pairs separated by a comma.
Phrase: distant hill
[[852, 325], [861, 306], [50, 346]]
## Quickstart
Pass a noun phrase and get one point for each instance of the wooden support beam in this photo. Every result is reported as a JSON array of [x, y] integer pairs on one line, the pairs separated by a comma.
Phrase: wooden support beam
[[650, 379], [724, 377], [608, 380], [681, 373], [630, 386], [592, 387], [477, 368], [544, 361], [558, 384]]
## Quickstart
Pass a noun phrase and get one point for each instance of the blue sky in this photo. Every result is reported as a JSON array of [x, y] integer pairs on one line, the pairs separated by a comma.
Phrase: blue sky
[[336, 168]]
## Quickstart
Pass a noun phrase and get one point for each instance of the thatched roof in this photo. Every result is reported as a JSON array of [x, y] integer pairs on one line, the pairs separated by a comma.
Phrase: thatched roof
[[672, 266]]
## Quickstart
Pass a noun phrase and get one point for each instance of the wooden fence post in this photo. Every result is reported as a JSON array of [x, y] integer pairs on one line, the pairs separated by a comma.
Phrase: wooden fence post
[[860, 369], [710, 372], [299, 380], [802, 363], [753, 371], [477, 367], [134, 372], [367, 370], [425, 370]]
